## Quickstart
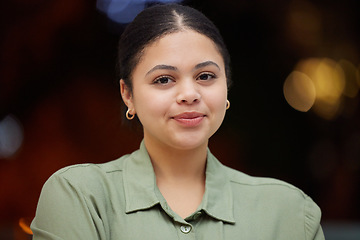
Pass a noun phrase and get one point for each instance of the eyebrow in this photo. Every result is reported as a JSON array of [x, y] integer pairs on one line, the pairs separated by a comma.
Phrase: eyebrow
[[172, 68], [162, 67], [204, 64]]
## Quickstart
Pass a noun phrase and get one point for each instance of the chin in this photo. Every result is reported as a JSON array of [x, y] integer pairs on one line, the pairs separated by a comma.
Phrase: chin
[[190, 143]]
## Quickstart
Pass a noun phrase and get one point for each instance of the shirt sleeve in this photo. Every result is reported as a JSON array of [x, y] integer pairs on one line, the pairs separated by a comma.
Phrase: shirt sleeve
[[313, 230], [64, 212]]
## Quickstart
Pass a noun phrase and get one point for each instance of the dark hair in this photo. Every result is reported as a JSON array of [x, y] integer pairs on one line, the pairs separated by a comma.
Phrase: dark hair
[[157, 21]]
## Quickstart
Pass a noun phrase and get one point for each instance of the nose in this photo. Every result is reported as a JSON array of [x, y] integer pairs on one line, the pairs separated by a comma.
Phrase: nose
[[188, 92]]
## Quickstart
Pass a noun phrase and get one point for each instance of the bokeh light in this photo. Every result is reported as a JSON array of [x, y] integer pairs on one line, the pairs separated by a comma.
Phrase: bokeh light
[[329, 81], [24, 224], [304, 23], [11, 136], [299, 91], [124, 11], [332, 81]]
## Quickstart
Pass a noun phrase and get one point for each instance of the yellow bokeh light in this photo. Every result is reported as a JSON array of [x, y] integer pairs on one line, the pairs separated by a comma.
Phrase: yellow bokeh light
[[299, 91], [326, 109], [329, 82]]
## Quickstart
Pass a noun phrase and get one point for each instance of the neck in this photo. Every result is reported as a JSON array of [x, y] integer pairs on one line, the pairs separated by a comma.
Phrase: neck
[[180, 175], [174, 165]]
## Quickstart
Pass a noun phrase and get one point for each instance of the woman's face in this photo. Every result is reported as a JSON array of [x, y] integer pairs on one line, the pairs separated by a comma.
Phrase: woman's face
[[179, 90]]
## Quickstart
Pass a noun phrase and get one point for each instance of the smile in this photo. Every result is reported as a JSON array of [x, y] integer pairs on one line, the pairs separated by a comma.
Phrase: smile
[[189, 119]]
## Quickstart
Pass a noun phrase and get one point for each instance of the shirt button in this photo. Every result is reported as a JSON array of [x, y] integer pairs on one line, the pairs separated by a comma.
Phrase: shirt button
[[185, 229]]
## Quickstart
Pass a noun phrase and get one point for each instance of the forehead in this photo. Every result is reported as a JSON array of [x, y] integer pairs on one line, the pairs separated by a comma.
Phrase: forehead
[[181, 47]]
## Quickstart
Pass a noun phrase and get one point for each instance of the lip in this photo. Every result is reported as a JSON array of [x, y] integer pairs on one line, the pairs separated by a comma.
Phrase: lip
[[189, 119]]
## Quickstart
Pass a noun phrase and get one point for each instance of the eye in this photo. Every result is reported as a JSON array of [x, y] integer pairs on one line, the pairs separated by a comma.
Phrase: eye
[[206, 76], [163, 80]]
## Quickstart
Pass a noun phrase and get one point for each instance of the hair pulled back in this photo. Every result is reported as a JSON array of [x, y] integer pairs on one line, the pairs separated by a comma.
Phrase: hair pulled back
[[154, 23]]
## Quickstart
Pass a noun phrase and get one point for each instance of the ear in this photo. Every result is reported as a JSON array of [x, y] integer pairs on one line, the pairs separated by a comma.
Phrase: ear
[[126, 95]]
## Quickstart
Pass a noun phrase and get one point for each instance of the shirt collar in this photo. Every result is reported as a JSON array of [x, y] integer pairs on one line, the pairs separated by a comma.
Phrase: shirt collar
[[218, 199], [139, 181], [140, 186]]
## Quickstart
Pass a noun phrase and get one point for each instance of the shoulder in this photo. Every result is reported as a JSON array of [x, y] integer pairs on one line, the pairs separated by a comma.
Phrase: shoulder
[[269, 190], [271, 198], [86, 192], [83, 170], [89, 175], [262, 185]]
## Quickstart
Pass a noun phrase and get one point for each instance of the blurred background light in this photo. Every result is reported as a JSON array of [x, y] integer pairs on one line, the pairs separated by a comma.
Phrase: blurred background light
[[331, 81], [299, 91], [124, 11], [11, 136], [24, 224], [304, 23], [351, 85]]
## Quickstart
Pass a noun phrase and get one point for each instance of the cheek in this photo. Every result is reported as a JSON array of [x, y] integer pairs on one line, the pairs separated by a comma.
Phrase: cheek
[[217, 99], [149, 104]]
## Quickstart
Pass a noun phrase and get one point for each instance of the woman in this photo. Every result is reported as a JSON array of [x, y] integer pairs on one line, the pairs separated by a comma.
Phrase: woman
[[174, 71]]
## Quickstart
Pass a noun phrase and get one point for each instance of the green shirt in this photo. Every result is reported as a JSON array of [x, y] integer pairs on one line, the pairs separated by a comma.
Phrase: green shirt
[[120, 200]]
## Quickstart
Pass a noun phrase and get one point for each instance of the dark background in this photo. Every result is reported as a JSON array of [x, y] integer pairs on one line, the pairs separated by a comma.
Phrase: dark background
[[57, 78]]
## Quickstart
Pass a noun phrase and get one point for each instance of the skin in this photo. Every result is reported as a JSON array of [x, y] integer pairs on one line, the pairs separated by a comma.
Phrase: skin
[[179, 94]]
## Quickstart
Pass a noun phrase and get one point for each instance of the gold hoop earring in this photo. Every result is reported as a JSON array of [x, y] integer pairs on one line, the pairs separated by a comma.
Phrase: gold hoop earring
[[227, 104], [128, 115]]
